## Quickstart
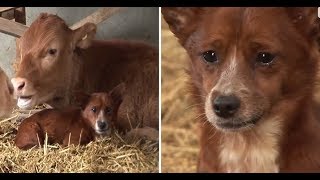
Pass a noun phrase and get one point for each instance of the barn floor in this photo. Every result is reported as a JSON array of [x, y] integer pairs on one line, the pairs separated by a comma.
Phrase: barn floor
[[107, 154], [179, 124]]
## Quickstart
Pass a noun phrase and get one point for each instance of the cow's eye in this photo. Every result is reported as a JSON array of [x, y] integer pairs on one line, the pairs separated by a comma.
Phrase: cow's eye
[[52, 51], [94, 109]]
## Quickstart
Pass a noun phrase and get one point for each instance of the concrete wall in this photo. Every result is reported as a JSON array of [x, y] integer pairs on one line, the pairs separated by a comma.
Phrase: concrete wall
[[139, 23]]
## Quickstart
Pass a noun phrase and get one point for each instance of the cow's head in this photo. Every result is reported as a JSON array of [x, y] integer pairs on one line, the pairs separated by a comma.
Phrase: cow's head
[[46, 60]]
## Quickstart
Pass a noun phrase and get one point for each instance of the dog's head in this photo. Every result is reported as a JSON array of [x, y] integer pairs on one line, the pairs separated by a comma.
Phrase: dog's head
[[246, 61]]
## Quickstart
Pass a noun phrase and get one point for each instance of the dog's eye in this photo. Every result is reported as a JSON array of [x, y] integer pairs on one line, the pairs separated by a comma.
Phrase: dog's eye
[[210, 56], [265, 58], [94, 109], [52, 51], [108, 110]]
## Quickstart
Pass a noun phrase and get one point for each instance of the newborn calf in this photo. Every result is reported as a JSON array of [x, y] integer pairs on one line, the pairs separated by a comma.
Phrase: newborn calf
[[73, 125]]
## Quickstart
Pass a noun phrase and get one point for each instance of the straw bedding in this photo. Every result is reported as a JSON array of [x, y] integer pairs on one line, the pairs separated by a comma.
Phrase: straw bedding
[[106, 154], [179, 124]]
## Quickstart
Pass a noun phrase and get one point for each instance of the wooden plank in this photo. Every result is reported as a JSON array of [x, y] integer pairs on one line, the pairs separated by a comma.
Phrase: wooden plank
[[12, 28], [20, 15], [2, 9], [98, 16], [7, 14]]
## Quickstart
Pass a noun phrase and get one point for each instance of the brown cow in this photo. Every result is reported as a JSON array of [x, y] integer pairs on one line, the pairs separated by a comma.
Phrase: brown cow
[[72, 125], [7, 102], [54, 61]]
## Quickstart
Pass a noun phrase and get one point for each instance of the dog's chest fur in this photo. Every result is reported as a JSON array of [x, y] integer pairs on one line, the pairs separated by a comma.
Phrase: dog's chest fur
[[256, 151]]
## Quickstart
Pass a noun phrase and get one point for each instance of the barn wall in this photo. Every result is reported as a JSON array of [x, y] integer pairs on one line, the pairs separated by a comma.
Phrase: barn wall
[[139, 23]]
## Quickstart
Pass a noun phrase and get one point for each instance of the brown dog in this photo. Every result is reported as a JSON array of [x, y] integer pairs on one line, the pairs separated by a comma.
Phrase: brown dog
[[72, 126], [253, 70]]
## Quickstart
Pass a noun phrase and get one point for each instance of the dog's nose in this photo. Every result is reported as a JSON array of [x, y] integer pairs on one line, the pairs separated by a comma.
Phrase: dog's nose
[[226, 106], [102, 124]]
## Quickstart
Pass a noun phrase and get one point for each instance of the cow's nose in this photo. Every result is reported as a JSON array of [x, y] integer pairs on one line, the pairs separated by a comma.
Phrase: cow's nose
[[102, 124], [226, 106], [18, 83]]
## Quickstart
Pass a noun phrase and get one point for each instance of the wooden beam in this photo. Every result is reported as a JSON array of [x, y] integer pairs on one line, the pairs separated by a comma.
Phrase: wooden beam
[[98, 16], [2, 9], [12, 28], [16, 29], [20, 15]]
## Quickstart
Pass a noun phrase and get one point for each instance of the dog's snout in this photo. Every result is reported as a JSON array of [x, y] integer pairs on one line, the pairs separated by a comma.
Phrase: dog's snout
[[226, 106], [102, 124]]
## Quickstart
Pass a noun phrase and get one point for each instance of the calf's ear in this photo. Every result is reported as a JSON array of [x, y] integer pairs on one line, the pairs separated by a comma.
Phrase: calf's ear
[[81, 99], [117, 93], [83, 36]]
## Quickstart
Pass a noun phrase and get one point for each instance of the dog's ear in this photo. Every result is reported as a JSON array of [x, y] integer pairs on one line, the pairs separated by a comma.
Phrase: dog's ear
[[306, 21], [182, 21]]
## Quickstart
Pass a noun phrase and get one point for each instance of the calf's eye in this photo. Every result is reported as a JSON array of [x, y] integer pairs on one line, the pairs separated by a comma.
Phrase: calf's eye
[[52, 51], [94, 109]]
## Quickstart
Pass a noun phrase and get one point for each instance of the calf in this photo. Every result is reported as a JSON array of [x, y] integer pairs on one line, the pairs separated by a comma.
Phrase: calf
[[7, 102], [72, 125], [53, 61]]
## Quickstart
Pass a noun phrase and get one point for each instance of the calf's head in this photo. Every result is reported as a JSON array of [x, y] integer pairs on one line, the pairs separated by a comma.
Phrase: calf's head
[[46, 60], [245, 62], [100, 109]]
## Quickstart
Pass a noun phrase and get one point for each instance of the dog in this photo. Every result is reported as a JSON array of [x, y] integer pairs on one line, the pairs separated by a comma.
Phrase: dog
[[97, 116], [254, 72]]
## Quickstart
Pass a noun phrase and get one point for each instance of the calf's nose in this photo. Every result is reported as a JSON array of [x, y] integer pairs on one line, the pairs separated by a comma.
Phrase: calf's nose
[[226, 106], [18, 84]]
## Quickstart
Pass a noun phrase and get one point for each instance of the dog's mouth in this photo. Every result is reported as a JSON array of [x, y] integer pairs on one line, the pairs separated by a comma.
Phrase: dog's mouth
[[103, 131], [236, 124]]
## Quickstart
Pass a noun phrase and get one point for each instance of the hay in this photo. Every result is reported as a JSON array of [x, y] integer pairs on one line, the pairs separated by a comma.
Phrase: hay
[[106, 154], [179, 124]]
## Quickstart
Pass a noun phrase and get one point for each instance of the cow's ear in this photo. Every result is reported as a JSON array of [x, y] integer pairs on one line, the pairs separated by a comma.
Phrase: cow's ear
[[117, 93], [81, 99], [83, 36], [182, 21], [306, 21]]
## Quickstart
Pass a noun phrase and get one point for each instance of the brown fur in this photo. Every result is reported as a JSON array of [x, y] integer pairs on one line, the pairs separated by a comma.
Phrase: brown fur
[[88, 65], [285, 137], [71, 125], [7, 102]]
